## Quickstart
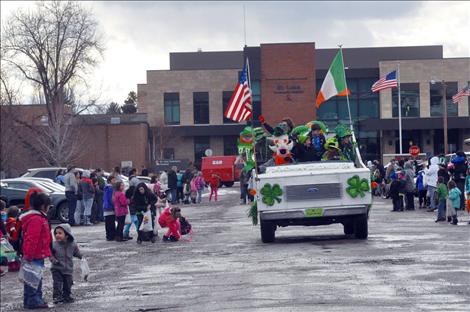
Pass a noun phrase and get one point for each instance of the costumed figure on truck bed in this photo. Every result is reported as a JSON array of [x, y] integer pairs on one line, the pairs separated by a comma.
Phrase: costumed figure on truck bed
[[309, 141], [345, 142], [246, 146], [282, 147], [332, 150]]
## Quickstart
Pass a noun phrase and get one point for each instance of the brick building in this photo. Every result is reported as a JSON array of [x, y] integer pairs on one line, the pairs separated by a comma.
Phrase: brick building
[[105, 140], [186, 102]]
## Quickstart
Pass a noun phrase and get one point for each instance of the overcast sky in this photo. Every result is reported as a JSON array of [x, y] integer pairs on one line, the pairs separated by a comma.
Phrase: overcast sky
[[140, 35]]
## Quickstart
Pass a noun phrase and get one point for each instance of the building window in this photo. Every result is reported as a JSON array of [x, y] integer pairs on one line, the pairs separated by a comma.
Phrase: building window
[[201, 144], [226, 96], [369, 145], [409, 100], [436, 90], [409, 138], [230, 145], [201, 107], [364, 104], [256, 98], [171, 108], [44, 120], [368, 107], [168, 153]]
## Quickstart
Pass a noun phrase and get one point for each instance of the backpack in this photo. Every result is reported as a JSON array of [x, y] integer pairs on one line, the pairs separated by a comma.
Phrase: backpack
[[185, 226]]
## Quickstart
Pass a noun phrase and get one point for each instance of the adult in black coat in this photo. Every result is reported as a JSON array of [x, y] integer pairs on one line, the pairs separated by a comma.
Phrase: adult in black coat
[[144, 200], [172, 184], [187, 176]]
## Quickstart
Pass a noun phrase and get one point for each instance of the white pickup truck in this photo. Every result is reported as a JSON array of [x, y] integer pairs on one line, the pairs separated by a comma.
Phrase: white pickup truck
[[316, 193]]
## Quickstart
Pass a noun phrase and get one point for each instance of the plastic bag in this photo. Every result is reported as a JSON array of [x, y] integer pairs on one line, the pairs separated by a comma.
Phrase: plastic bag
[[146, 225], [128, 219], [85, 269], [30, 274], [6, 250]]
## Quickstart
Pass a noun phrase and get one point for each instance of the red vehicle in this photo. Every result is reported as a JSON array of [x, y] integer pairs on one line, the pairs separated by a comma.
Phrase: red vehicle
[[224, 166]]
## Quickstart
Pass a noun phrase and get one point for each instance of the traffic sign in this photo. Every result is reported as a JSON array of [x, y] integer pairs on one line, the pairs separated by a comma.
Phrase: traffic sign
[[414, 150]]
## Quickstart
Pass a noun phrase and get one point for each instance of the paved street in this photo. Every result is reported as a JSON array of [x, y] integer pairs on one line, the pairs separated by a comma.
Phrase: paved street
[[409, 263]]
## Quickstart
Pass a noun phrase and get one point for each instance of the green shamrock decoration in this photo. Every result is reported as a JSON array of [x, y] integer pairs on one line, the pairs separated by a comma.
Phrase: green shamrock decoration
[[357, 186], [271, 194]]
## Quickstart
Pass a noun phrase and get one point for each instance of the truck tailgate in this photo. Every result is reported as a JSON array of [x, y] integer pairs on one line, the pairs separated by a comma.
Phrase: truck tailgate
[[314, 190]]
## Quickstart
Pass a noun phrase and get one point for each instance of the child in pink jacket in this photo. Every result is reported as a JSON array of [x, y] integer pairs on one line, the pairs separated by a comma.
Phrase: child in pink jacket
[[121, 209]]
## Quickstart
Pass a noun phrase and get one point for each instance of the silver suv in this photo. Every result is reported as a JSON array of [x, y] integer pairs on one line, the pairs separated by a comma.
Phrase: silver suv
[[49, 172]]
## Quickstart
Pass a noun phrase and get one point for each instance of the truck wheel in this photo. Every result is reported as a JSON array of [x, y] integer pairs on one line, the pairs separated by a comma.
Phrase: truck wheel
[[361, 227], [267, 232], [348, 228], [228, 184], [63, 212]]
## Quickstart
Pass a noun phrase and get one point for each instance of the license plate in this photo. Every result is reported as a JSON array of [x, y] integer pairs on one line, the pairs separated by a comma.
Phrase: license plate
[[314, 212]]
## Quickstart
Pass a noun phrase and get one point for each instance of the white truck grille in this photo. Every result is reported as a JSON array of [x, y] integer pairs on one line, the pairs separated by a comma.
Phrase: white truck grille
[[313, 192]]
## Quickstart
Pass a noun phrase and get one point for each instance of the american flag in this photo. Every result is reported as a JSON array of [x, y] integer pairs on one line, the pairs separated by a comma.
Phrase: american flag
[[388, 81], [239, 108], [464, 92]]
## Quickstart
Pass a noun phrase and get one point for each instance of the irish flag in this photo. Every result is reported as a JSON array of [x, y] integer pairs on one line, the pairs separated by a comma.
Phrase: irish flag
[[334, 83]]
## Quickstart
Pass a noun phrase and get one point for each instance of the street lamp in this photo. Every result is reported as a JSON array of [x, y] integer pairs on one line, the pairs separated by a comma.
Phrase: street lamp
[[444, 100]]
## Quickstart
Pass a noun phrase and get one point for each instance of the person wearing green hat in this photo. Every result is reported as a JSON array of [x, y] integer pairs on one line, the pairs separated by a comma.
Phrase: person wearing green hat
[[313, 146], [332, 150], [346, 146]]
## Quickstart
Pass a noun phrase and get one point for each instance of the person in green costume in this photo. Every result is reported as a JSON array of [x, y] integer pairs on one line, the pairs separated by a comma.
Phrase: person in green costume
[[346, 145], [332, 150]]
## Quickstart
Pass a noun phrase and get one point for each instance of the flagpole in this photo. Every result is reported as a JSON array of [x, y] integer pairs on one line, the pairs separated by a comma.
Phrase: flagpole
[[358, 154], [244, 25], [252, 113], [347, 91], [399, 110]]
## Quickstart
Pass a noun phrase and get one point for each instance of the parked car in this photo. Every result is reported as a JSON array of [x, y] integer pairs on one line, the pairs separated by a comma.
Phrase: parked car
[[50, 173], [48, 183], [12, 196], [449, 157], [15, 191], [144, 179]]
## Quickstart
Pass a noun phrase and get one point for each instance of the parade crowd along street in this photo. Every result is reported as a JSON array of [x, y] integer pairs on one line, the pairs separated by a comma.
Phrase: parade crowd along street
[[124, 202]]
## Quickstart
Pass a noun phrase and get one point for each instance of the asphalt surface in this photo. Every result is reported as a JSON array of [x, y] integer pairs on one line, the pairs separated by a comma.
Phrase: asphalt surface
[[409, 263]]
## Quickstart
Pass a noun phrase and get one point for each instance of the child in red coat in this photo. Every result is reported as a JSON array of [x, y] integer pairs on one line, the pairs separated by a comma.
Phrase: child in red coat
[[214, 184], [169, 218], [12, 224], [13, 229], [36, 245]]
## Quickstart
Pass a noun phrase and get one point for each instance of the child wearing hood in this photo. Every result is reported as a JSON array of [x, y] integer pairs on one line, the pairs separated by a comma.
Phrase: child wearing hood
[[453, 202], [170, 219], [87, 192], [64, 249], [394, 192], [467, 191]]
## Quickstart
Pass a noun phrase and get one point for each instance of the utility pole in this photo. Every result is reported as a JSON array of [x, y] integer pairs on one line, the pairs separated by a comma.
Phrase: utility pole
[[444, 100]]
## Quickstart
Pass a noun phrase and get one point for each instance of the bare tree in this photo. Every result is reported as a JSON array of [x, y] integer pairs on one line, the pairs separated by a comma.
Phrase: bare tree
[[53, 47], [162, 137], [8, 136]]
